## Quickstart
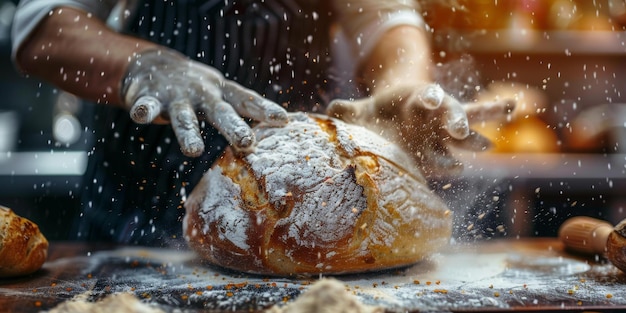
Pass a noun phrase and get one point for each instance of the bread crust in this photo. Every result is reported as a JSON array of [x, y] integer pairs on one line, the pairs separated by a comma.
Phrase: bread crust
[[316, 196], [23, 248]]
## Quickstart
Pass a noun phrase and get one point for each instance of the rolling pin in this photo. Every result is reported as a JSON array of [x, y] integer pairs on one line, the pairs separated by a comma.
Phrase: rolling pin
[[591, 236]]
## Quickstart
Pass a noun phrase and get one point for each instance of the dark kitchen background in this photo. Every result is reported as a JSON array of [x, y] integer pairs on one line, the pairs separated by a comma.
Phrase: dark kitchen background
[[42, 143], [564, 154]]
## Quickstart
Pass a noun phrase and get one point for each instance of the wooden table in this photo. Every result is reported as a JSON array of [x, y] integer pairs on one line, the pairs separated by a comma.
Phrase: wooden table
[[498, 276]]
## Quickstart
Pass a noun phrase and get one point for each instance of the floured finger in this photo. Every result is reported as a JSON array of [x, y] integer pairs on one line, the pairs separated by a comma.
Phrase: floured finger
[[228, 122], [145, 109], [489, 111], [350, 110], [455, 119], [250, 104], [473, 142], [432, 96], [185, 126]]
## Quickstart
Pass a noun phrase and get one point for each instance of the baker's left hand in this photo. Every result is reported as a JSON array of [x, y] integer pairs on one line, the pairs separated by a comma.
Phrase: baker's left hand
[[425, 121]]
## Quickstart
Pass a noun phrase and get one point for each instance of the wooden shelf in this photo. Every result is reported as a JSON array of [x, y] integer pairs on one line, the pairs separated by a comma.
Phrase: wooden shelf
[[546, 166], [537, 42]]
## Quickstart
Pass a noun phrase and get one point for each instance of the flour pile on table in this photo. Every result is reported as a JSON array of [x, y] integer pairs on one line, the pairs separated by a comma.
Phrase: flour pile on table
[[326, 296], [117, 302]]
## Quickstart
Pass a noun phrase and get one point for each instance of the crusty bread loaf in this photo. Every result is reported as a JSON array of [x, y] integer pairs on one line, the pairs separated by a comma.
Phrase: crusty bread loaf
[[315, 196], [23, 248]]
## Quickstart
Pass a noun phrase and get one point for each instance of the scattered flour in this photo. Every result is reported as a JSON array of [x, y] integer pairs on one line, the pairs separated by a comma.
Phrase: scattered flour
[[326, 296], [118, 303]]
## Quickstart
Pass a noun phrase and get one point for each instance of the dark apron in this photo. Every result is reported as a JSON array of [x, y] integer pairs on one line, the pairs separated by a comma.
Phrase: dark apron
[[137, 177]]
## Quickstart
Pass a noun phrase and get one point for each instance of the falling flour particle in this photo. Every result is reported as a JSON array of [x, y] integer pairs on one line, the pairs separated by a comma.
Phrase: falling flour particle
[[326, 296]]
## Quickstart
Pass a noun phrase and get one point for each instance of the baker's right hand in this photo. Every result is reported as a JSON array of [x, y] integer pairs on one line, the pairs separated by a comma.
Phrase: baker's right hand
[[163, 85]]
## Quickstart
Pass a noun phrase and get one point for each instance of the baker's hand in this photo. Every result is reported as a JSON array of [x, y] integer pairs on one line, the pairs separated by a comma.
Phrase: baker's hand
[[425, 121], [163, 85]]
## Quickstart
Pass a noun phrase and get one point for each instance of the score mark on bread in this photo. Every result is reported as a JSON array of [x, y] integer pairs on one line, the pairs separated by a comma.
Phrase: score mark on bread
[[315, 196]]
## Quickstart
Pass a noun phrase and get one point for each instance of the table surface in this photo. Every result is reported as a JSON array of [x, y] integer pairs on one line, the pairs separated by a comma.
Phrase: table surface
[[497, 276]]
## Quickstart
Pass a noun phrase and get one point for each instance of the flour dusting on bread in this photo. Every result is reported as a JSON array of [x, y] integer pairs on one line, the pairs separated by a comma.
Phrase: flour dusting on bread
[[315, 196]]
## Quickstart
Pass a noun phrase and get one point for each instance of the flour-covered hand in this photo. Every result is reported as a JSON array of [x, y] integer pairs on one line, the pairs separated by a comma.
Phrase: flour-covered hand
[[163, 85], [424, 120]]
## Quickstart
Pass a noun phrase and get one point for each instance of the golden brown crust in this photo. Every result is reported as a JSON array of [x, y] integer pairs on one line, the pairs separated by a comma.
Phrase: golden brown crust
[[316, 196], [616, 250], [23, 248]]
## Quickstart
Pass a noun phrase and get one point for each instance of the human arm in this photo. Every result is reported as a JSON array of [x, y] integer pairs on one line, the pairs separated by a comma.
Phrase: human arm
[[404, 103], [75, 50]]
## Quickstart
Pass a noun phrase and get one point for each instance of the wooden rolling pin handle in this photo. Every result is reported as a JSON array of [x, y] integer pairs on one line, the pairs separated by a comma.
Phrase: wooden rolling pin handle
[[585, 235]]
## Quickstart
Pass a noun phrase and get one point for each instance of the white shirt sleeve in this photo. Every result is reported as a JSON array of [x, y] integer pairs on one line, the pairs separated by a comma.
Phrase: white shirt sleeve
[[30, 13], [363, 22]]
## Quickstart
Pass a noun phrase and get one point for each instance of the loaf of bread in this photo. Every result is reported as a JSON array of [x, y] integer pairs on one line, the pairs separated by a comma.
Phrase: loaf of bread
[[23, 248], [316, 196]]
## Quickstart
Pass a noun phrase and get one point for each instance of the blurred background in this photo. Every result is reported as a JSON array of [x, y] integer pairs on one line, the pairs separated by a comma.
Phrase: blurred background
[[42, 143], [561, 154]]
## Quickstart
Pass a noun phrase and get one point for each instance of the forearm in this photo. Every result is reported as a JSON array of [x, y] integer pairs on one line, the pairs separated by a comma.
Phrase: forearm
[[401, 56], [79, 54]]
